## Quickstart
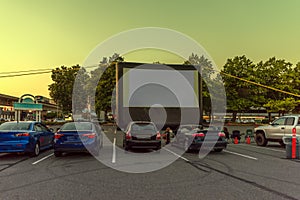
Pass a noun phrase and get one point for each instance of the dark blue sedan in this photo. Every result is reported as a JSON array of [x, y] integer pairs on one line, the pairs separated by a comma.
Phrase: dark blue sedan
[[78, 137], [28, 137]]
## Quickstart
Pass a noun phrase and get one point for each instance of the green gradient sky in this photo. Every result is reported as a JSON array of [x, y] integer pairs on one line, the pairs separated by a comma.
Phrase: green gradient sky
[[48, 34]]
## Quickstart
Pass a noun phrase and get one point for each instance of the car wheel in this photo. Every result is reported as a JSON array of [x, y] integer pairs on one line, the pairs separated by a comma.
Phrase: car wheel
[[57, 153], [186, 145], [260, 139], [36, 150]]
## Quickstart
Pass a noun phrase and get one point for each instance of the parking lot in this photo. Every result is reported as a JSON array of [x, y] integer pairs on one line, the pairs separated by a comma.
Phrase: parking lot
[[242, 171]]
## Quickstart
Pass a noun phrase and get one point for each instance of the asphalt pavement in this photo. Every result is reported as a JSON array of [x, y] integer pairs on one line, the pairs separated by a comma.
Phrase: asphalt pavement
[[242, 171]]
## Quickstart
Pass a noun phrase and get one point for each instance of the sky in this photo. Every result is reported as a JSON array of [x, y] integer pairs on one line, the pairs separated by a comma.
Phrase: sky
[[48, 34]]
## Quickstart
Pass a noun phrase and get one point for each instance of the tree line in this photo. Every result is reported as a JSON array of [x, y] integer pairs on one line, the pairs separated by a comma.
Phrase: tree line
[[271, 85]]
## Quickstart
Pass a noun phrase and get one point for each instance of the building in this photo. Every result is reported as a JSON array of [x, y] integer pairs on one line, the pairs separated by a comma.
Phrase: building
[[7, 111]]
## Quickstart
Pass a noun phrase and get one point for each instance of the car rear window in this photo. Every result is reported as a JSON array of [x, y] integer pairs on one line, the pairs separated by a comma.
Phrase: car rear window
[[15, 126], [142, 127], [76, 126]]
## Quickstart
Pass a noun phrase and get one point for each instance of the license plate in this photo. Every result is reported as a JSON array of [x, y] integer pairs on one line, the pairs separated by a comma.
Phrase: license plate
[[71, 138]]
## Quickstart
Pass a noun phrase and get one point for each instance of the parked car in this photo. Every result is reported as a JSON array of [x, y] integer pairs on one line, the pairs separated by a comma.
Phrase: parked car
[[191, 137], [78, 137], [25, 136], [275, 131], [141, 135]]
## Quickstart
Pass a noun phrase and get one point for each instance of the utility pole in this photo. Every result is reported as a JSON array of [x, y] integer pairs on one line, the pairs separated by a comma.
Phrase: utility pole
[[200, 94]]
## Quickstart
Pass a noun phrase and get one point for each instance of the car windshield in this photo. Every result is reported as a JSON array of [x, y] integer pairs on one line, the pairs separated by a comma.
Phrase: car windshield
[[142, 127], [79, 126], [15, 126]]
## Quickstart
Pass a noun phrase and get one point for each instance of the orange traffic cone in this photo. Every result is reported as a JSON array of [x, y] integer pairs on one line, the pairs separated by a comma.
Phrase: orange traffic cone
[[248, 140], [236, 141]]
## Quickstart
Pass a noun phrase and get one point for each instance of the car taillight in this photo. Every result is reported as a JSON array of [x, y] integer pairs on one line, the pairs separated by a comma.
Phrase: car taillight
[[221, 134], [198, 135], [58, 135], [22, 134], [89, 135], [128, 135], [158, 136]]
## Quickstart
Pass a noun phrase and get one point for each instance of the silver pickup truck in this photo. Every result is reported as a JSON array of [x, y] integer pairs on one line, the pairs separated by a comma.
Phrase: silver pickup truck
[[279, 128]]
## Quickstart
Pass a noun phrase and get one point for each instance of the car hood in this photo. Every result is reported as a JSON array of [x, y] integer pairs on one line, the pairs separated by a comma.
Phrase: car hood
[[262, 127]]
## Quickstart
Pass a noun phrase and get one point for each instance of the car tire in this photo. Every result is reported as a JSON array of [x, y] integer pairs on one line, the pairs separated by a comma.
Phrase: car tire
[[126, 148], [261, 140], [57, 153], [36, 150]]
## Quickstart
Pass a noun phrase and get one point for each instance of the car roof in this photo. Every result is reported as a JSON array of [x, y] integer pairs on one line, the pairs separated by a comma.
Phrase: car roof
[[28, 122], [141, 122]]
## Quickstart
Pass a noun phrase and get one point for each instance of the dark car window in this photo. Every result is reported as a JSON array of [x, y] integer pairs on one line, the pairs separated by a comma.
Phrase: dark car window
[[290, 121], [142, 127], [37, 128], [44, 128], [15, 126], [77, 126]]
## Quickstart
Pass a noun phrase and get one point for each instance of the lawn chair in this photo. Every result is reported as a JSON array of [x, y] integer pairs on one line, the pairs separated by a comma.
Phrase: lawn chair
[[236, 134]]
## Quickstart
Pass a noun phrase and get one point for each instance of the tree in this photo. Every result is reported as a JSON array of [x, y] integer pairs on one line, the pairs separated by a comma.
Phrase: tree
[[279, 74], [241, 95], [62, 88], [281, 106], [211, 81], [105, 86]]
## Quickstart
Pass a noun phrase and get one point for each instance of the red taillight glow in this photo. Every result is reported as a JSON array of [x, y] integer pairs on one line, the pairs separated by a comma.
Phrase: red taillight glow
[[198, 135], [221, 134], [58, 135], [89, 135], [158, 136], [22, 134], [128, 135]]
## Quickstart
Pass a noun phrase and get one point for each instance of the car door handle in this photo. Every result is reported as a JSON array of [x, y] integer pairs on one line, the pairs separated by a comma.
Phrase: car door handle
[[282, 127]]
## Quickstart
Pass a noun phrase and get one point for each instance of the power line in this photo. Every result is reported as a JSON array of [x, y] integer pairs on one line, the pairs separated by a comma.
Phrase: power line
[[32, 70], [25, 74], [261, 85]]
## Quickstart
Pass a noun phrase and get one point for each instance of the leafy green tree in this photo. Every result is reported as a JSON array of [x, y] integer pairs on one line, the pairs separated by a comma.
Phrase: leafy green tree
[[279, 74], [241, 95], [62, 87], [105, 86], [203, 65], [282, 106]]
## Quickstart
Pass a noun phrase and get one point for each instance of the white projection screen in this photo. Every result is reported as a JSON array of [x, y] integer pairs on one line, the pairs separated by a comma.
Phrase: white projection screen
[[149, 87], [141, 87]]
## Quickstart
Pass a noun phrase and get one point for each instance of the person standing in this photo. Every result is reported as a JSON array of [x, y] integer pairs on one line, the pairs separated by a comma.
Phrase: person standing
[[167, 134]]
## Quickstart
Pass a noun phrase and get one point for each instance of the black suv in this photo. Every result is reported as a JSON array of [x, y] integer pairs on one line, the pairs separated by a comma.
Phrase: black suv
[[142, 135]]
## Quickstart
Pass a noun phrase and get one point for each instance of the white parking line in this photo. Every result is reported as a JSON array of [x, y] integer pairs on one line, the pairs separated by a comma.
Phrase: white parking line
[[179, 156], [264, 148], [113, 160], [40, 160], [238, 154]]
